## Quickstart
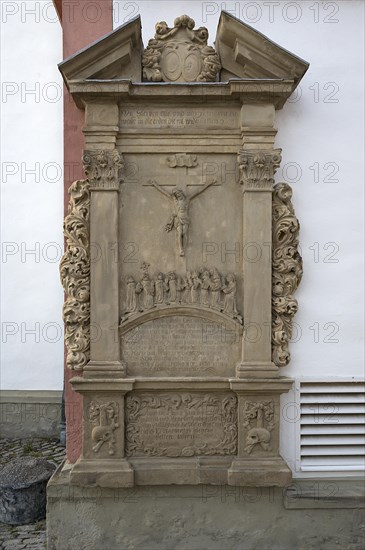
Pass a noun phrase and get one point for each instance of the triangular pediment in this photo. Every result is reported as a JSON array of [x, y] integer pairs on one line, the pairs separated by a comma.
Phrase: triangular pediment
[[246, 53], [115, 55]]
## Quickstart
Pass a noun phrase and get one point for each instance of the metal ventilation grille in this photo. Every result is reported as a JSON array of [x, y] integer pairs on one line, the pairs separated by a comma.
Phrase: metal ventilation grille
[[332, 426]]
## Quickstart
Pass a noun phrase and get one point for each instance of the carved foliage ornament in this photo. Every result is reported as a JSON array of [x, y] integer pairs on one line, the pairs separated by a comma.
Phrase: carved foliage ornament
[[75, 276], [102, 169], [257, 168], [180, 54], [287, 272], [103, 173]]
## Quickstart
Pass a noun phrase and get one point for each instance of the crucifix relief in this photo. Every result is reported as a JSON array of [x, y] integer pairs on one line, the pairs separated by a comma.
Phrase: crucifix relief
[[180, 218], [180, 199]]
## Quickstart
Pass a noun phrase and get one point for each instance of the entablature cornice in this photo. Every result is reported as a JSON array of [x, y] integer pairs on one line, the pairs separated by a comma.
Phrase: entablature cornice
[[244, 91]]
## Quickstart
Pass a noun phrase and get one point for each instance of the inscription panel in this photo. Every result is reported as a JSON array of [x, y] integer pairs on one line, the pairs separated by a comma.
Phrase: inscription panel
[[179, 117], [181, 346], [181, 424]]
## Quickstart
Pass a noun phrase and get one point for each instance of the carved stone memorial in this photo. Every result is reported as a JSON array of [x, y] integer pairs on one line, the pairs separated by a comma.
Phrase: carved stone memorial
[[182, 256]]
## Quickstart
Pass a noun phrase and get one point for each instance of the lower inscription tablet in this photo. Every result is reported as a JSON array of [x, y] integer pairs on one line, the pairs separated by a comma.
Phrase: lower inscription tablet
[[181, 424]]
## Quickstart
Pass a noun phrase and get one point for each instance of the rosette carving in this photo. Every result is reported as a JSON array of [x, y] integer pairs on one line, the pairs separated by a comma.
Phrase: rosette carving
[[180, 54], [287, 272], [75, 276], [257, 168]]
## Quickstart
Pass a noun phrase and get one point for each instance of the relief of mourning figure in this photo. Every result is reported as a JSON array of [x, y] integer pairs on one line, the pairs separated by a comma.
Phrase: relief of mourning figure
[[159, 289], [216, 287], [201, 287], [179, 288], [172, 287], [133, 289], [230, 291], [148, 292], [185, 286], [132, 301], [166, 290], [205, 287], [194, 288]]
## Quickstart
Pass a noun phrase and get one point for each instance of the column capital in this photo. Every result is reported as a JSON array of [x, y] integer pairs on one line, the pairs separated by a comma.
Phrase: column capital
[[257, 168], [103, 169]]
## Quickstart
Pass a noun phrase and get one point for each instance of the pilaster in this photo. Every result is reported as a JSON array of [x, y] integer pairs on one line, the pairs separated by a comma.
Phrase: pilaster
[[257, 161], [103, 167]]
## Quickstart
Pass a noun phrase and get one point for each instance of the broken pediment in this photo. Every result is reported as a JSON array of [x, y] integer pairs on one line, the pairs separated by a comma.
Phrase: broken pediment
[[181, 54], [246, 53], [114, 56]]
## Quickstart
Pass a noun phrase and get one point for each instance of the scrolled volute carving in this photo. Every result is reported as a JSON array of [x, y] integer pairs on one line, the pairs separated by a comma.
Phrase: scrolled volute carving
[[180, 54], [287, 272], [75, 276], [257, 168], [103, 169]]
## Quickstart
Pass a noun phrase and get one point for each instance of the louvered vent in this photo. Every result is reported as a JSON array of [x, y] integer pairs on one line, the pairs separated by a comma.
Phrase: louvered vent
[[332, 426]]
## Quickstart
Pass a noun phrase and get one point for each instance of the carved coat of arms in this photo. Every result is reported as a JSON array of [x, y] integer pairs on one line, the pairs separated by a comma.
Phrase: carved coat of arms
[[180, 54]]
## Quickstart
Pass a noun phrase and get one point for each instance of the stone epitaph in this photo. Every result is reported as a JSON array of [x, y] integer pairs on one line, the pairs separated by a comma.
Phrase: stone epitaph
[[182, 257]]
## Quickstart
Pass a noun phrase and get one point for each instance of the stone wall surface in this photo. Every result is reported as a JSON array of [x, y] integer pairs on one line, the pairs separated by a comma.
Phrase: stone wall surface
[[30, 414], [196, 518]]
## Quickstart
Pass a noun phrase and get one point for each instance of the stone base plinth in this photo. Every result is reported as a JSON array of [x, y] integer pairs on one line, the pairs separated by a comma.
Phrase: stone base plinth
[[259, 473], [181, 471], [102, 473], [198, 517]]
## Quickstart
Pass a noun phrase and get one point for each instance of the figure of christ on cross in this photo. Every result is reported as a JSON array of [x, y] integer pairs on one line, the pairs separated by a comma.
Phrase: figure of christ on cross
[[180, 218]]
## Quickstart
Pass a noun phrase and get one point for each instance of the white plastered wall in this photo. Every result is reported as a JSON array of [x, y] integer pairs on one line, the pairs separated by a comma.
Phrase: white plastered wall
[[31, 197]]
